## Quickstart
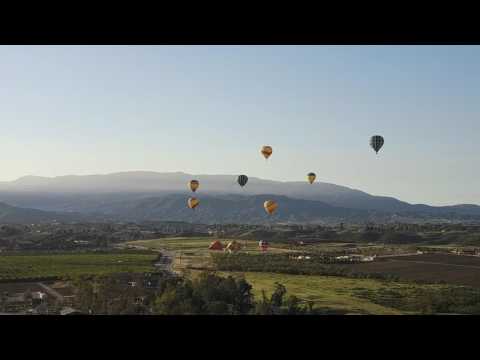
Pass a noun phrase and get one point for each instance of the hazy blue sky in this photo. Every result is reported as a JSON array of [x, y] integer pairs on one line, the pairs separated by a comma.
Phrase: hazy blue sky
[[209, 109]]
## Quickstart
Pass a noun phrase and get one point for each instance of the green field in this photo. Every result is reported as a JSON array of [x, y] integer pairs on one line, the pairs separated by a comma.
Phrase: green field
[[194, 252], [13, 267], [350, 295], [198, 244], [333, 292]]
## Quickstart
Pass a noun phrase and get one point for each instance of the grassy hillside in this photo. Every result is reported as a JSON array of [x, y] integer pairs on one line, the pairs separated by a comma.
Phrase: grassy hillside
[[360, 296]]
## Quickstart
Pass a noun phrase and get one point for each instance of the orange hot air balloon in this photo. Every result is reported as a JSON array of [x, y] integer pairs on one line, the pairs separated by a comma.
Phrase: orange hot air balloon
[[193, 202], [270, 206], [194, 184], [266, 151]]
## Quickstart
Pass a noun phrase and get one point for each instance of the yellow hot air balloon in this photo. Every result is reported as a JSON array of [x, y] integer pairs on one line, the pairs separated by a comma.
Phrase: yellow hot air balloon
[[311, 177], [270, 206], [194, 184], [266, 151], [193, 202]]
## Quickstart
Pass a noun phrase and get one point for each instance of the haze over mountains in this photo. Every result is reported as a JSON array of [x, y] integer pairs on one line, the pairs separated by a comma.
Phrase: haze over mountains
[[13, 214], [137, 196]]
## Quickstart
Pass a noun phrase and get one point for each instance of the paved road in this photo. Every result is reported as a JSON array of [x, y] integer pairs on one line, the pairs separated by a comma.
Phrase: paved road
[[166, 261], [51, 291]]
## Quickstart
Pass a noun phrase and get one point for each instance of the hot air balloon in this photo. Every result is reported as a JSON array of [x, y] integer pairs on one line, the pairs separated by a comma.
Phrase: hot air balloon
[[311, 177], [242, 180], [263, 245], [270, 206], [216, 245], [193, 202], [233, 246], [376, 142], [194, 184], [266, 151]]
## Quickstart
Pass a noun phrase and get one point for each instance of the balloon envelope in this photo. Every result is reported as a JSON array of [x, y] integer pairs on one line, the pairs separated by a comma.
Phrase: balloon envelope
[[266, 151], [263, 245], [270, 206], [194, 184], [193, 202], [242, 180], [376, 142]]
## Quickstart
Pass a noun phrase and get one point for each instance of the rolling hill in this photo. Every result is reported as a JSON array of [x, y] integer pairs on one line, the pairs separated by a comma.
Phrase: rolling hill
[[150, 195], [12, 214]]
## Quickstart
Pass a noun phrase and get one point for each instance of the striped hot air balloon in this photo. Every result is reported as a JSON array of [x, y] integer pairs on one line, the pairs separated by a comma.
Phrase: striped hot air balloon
[[270, 206], [266, 151], [242, 180], [376, 142], [194, 184]]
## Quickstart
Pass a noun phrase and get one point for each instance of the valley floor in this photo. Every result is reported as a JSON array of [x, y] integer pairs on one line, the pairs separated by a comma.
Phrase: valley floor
[[346, 295]]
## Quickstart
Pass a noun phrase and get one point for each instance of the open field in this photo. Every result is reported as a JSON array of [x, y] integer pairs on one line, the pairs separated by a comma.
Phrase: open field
[[194, 252], [199, 244], [14, 267], [466, 260], [430, 268], [451, 269], [344, 294], [335, 292]]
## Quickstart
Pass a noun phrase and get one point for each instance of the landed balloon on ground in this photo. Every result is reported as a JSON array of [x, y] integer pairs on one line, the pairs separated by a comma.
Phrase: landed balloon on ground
[[216, 245], [376, 142], [233, 246], [263, 245]]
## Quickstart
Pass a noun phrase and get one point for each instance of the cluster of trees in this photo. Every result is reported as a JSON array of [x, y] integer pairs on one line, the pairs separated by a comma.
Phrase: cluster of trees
[[281, 304], [373, 236], [384, 237], [282, 263], [67, 236], [208, 294], [111, 295]]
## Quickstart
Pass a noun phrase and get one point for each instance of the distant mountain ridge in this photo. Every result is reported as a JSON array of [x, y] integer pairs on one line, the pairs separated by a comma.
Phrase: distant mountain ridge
[[112, 193], [234, 209], [13, 214]]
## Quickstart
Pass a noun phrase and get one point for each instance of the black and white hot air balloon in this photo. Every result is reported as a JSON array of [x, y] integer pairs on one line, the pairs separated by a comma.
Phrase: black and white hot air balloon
[[242, 180], [376, 142]]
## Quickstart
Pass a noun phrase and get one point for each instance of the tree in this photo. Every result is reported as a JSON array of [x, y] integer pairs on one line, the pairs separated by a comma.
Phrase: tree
[[208, 294], [278, 294], [293, 306], [264, 307]]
